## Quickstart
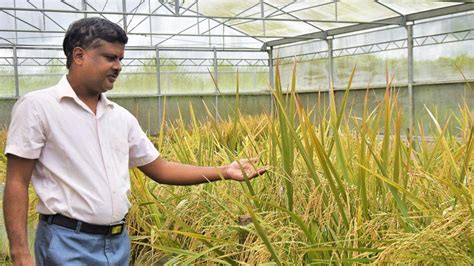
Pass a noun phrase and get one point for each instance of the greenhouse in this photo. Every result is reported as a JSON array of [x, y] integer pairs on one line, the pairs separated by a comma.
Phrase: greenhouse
[[358, 116]]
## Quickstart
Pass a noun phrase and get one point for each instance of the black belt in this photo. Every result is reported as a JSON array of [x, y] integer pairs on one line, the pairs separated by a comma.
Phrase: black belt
[[61, 220]]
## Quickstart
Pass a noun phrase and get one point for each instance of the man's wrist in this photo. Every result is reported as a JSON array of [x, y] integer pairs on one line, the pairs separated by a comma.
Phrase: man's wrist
[[224, 171], [19, 252], [23, 260]]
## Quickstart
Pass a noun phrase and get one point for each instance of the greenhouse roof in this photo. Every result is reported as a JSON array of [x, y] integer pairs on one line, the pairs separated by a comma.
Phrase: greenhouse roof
[[205, 24]]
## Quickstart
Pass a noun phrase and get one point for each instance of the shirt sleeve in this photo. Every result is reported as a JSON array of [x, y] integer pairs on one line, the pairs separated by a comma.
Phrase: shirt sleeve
[[141, 149], [26, 136]]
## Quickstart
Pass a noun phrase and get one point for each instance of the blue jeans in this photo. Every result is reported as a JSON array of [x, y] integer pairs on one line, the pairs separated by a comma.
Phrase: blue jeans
[[57, 245]]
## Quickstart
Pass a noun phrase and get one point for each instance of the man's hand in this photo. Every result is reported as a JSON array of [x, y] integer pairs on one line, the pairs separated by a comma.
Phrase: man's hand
[[15, 207], [24, 260], [244, 169]]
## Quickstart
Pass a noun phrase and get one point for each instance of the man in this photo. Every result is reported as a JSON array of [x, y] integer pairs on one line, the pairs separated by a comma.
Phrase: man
[[76, 147]]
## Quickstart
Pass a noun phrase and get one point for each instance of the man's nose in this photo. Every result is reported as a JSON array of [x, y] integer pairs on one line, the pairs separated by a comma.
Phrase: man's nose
[[117, 65]]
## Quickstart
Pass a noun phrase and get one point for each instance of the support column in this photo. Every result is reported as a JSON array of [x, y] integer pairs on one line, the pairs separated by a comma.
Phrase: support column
[[411, 107], [176, 7], [262, 15], [271, 77], [124, 9], [15, 71], [197, 17], [15, 56], [44, 16], [330, 66], [84, 7], [216, 97], [209, 31], [150, 23], [158, 87], [15, 20]]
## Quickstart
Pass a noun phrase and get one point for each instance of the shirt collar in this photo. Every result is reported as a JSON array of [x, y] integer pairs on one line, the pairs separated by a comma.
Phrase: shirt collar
[[64, 90]]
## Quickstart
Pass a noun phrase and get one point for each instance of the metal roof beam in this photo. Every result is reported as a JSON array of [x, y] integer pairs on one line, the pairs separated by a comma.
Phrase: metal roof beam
[[136, 48], [398, 20], [153, 34]]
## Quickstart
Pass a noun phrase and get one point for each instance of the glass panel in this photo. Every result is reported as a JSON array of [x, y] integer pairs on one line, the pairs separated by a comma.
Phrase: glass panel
[[409, 7], [371, 69], [443, 49], [381, 37], [109, 5], [252, 68], [228, 8], [251, 78], [440, 62], [28, 20], [186, 80], [39, 38], [457, 22], [136, 80], [60, 21], [344, 11], [62, 4], [186, 72], [301, 49], [372, 53], [314, 75], [311, 75], [33, 78], [276, 28]]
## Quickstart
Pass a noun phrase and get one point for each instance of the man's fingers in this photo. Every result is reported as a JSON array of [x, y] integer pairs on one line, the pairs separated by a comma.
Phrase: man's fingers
[[262, 170]]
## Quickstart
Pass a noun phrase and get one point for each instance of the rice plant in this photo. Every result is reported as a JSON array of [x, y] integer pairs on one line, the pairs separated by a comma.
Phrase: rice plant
[[344, 188]]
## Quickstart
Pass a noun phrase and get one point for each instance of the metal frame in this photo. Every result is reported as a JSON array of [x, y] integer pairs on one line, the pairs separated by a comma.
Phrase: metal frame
[[256, 12], [399, 20], [441, 38]]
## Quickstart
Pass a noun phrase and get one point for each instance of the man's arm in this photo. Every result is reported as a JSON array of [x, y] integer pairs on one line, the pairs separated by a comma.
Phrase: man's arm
[[15, 207], [173, 173]]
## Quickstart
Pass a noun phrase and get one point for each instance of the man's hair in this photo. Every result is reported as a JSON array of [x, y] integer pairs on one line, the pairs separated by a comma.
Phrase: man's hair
[[85, 33]]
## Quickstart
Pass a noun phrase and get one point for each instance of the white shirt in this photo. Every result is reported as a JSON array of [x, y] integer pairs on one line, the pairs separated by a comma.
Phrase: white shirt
[[83, 162]]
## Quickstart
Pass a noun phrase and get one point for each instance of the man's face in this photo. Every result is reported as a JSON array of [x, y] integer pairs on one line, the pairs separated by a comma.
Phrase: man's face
[[101, 66]]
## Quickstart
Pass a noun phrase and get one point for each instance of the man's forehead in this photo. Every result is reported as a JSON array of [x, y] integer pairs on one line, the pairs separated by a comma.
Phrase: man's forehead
[[97, 43], [109, 46]]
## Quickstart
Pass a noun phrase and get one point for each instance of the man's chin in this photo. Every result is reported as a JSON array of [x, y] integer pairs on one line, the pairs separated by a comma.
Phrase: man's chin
[[107, 88]]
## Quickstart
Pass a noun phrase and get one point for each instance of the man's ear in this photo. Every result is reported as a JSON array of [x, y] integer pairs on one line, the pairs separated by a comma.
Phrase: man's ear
[[78, 54]]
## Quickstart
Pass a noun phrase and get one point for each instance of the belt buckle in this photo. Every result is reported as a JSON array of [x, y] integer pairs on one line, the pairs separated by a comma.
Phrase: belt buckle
[[116, 229]]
